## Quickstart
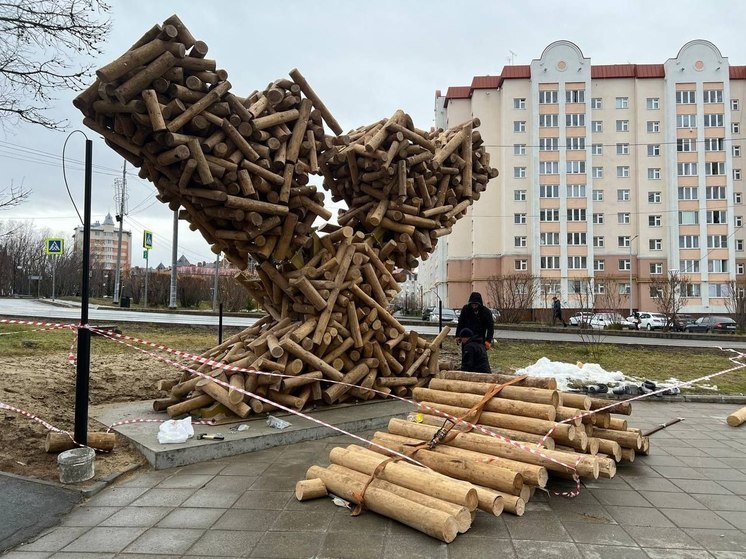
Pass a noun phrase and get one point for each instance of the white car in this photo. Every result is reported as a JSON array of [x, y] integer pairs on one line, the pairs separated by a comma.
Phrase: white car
[[581, 318], [649, 320], [607, 319], [449, 316]]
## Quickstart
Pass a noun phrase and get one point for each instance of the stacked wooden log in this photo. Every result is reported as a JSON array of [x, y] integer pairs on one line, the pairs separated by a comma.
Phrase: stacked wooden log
[[737, 418], [524, 435], [405, 186], [236, 167]]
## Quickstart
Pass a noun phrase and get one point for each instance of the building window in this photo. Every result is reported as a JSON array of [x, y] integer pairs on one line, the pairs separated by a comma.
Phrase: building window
[[717, 266], [575, 96], [549, 191], [688, 241], [686, 144], [653, 126], [549, 121], [577, 262], [735, 105], [736, 150], [548, 97], [690, 266], [519, 149], [622, 171], [740, 269], [654, 220], [598, 266], [656, 268], [736, 197], [519, 103], [713, 95], [597, 126], [735, 127], [622, 102], [622, 125], [654, 150], [693, 290], [549, 239], [597, 149], [575, 120], [597, 172], [599, 242], [686, 169], [622, 149], [519, 195], [520, 242], [548, 144], [687, 193], [654, 174], [519, 172], [739, 245], [575, 144], [521, 265], [550, 262], [597, 195], [519, 126], [715, 193], [655, 244], [623, 241], [597, 219], [686, 97], [713, 121], [549, 215], [686, 121], [549, 167], [577, 239], [623, 218], [690, 217], [717, 241], [576, 214], [575, 167], [736, 174], [653, 103], [519, 219], [718, 290], [624, 265], [623, 195], [596, 103], [654, 197], [576, 191]]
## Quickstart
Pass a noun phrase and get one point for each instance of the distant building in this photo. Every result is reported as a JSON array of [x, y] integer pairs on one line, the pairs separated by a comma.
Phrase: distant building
[[104, 240]]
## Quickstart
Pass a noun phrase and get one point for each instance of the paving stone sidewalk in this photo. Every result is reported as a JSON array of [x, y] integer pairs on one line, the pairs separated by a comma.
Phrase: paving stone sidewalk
[[686, 500]]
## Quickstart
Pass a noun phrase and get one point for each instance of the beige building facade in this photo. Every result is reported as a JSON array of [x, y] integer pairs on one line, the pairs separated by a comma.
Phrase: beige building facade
[[610, 176], [104, 242]]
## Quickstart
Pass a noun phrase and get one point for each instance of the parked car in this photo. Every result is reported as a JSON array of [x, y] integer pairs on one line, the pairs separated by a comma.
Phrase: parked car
[[648, 320], [603, 320], [427, 312], [580, 319], [449, 316], [495, 314], [679, 321], [721, 324]]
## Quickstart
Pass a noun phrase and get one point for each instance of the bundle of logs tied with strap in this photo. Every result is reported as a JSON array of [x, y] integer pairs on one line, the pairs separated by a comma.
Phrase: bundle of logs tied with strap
[[237, 168], [482, 442]]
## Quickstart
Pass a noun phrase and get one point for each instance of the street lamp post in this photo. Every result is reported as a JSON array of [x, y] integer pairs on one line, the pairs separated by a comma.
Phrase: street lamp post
[[630, 273], [440, 308]]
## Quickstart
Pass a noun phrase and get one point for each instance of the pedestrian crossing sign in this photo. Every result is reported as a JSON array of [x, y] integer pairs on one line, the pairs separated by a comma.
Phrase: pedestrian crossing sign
[[147, 239], [54, 246]]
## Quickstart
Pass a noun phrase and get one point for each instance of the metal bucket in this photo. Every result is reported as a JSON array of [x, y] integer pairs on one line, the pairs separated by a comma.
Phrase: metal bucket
[[76, 465]]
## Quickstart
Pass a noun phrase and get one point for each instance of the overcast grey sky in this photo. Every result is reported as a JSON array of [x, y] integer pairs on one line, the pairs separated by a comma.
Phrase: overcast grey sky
[[365, 59]]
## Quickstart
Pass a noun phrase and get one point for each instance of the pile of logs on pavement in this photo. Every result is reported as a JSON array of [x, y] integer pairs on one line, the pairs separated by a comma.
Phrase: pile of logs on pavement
[[525, 435]]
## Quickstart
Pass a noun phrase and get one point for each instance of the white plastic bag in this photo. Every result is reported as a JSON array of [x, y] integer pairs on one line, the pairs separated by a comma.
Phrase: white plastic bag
[[175, 431]]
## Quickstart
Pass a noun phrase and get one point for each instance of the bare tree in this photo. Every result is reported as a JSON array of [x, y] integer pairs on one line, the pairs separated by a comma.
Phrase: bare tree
[[12, 195], [736, 302], [614, 297], [512, 295], [40, 41], [669, 294], [582, 292]]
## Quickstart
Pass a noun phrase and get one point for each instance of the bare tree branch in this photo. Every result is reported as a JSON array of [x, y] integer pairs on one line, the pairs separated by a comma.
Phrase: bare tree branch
[[41, 42]]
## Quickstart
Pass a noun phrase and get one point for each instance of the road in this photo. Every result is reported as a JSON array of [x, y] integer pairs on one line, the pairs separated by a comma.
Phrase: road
[[41, 310]]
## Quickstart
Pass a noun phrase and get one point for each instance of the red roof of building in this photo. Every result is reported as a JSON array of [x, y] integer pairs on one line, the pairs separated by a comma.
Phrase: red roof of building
[[485, 82], [610, 71], [738, 72]]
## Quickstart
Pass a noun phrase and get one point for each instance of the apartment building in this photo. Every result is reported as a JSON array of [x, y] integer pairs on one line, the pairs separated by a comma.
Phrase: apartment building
[[104, 241], [610, 175]]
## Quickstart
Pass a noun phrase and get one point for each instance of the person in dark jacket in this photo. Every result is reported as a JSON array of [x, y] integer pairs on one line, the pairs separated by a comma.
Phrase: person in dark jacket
[[557, 312], [473, 353], [477, 318]]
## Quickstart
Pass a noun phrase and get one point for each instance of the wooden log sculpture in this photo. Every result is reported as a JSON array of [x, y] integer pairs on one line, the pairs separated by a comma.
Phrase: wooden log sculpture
[[237, 167]]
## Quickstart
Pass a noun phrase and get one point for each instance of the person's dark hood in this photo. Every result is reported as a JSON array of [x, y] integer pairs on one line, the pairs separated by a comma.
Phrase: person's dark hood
[[476, 297]]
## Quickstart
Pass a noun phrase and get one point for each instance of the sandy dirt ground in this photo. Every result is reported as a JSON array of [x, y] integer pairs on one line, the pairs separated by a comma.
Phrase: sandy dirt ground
[[45, 386]]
